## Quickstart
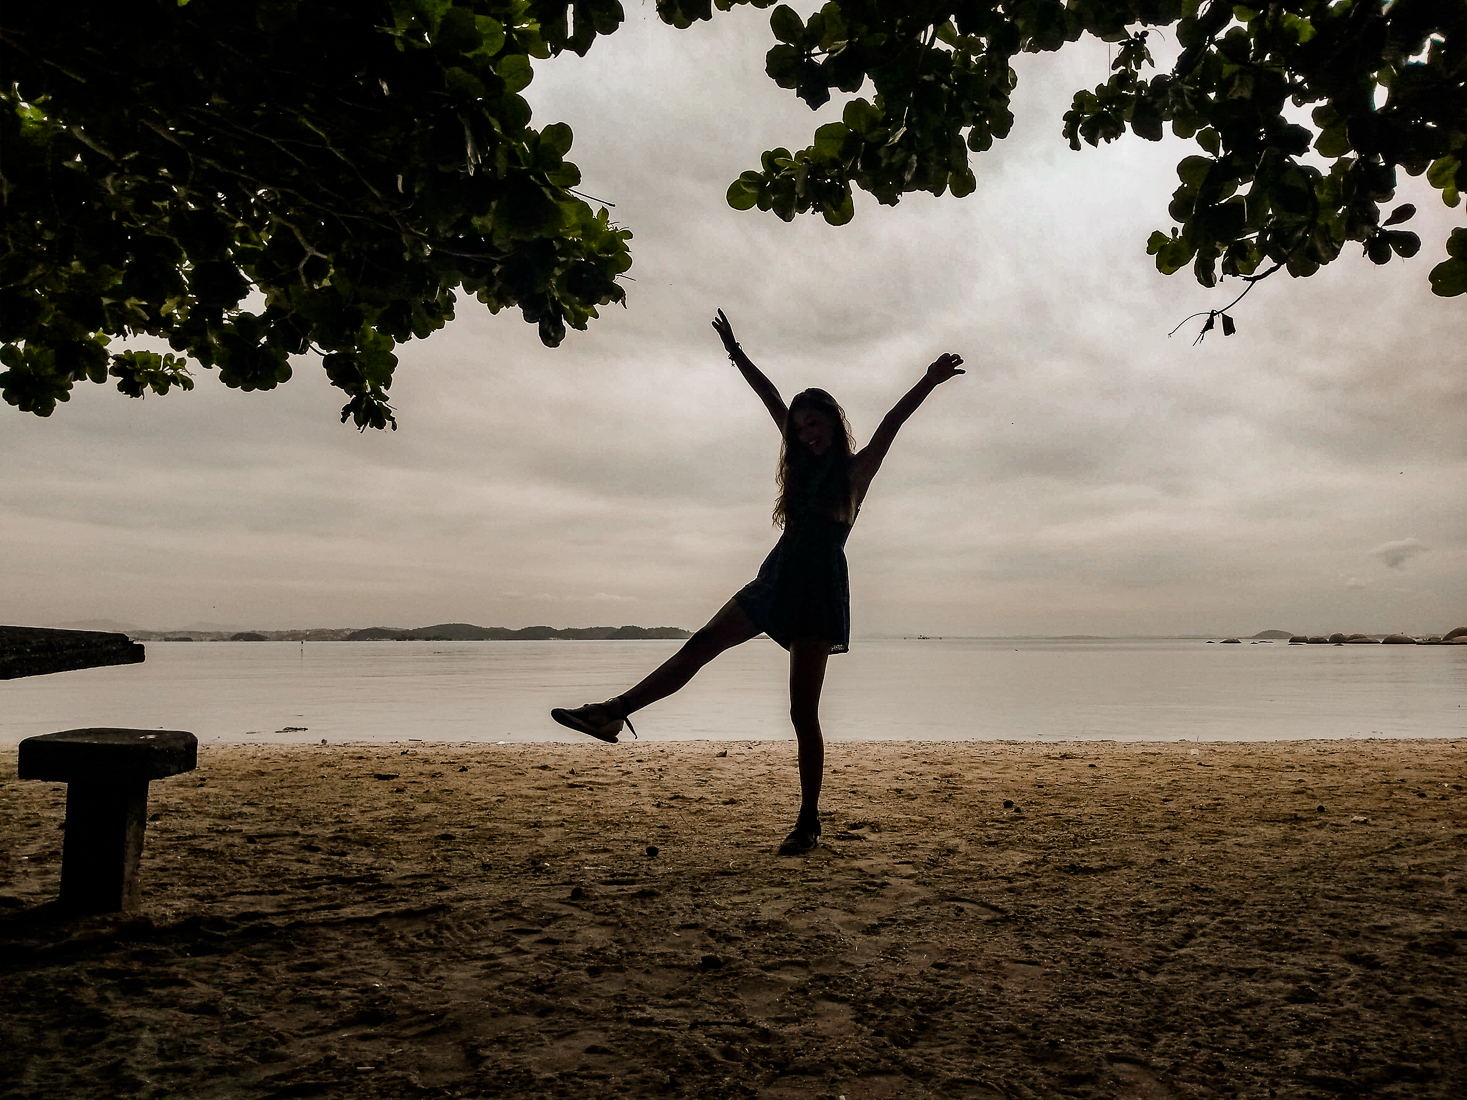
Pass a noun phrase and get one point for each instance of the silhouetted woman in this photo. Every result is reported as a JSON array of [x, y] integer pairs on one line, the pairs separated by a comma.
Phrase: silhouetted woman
[[801, 597]]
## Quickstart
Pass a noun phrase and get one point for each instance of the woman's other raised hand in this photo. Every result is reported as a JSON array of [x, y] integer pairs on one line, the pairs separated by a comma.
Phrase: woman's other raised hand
[[945, 366], [725, 333]]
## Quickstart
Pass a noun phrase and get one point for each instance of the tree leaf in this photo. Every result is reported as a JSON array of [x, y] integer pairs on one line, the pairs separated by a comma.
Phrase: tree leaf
[[741, 196], [491, 34], [787, 25], [557, 136], [1449, 278], [1174, 255], [1443, 172], [840, 211], [1404, 244], [514, 69], [458, 31], [783, 65], [861, 116], [830, 140], [776, 159], [1404, 212], [462, 83], [1193, 170]]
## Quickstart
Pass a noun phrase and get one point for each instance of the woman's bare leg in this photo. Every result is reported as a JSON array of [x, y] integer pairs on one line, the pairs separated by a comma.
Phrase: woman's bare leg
[[729, 627], [807, 676]]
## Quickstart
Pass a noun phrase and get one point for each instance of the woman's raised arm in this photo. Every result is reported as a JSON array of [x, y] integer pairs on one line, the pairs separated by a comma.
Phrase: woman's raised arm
[[752, 374], [868, 460]]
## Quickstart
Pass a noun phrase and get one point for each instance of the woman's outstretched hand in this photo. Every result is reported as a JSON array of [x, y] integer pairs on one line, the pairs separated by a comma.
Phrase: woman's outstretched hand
[[945, 366], [725, 333]]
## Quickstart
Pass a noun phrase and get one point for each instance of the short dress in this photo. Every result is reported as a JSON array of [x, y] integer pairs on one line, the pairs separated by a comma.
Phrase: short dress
[[803, 589]]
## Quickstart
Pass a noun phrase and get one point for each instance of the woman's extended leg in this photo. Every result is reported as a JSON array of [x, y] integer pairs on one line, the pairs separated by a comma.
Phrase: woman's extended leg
[[807, 676], [729, 627]]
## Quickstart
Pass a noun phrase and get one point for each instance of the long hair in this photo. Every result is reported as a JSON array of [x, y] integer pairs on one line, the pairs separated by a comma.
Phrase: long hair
[[820, 484]]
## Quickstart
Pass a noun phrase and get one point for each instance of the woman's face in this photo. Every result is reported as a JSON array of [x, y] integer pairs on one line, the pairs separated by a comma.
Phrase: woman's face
[[814, 429]]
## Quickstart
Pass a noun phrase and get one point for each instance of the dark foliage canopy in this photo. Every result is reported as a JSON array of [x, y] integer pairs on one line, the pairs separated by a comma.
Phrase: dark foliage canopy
[[353, 161], [1368, 87], [356, 161]]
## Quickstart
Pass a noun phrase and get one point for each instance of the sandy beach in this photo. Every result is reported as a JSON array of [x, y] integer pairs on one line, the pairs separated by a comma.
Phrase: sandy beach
[[984, 920]]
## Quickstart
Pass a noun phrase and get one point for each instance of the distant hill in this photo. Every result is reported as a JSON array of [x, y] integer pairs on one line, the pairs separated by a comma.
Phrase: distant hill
[[111, 626], [194, 634], [1285, 634], [467, 632], [443, 632]]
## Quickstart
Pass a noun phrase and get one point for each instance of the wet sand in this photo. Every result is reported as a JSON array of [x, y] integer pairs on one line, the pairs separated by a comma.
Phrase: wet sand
[[420, 920]]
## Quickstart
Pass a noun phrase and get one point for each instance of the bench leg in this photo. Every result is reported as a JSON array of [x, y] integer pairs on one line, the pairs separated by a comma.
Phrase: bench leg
[[104, 842]]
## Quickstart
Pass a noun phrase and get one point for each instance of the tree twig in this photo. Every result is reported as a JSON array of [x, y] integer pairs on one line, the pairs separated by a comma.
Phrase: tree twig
[[593, 198], [1213, 314]]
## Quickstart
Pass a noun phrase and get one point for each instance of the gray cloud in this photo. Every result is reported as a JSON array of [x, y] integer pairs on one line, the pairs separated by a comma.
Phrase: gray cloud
[[1396, 554]]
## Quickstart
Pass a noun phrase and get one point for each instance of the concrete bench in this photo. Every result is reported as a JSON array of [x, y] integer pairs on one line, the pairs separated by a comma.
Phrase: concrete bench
[[107, 772]]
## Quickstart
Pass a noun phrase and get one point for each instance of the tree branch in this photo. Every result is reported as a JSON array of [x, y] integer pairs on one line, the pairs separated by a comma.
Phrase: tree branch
[[1213, 314]]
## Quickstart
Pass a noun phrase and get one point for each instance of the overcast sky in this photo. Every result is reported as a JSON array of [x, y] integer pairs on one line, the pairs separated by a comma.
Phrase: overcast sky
[[1088, 474]]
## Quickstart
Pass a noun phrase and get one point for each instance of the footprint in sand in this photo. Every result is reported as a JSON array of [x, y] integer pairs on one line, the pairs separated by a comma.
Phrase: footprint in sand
[[1138, 1082], [761, 996], [1025, 981]]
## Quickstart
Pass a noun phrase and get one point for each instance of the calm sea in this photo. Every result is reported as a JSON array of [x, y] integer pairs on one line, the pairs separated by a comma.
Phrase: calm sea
[[1030, 689]]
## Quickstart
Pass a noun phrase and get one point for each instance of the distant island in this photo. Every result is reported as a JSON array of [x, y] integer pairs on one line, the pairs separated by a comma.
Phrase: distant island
[[1457, 636], [443, 632]]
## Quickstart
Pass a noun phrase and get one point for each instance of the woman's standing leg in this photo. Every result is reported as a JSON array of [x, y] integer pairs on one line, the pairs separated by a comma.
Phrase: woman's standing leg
[[808, 657]]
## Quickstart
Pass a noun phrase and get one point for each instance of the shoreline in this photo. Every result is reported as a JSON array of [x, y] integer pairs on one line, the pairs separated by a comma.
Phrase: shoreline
[[1147, 919], [571, 741]]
